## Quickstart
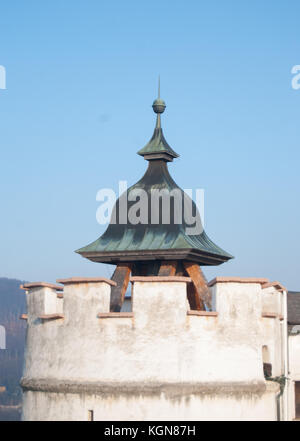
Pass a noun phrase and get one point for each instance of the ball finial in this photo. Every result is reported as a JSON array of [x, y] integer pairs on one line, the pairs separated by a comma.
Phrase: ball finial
[[159, 105]]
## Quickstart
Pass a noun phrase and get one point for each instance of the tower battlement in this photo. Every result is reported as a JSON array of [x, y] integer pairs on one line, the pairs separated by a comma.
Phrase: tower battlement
[[76, 345]]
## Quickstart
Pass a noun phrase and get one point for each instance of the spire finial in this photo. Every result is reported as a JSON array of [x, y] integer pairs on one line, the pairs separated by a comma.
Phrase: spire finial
[[158, 86], [159, 105], [157, 147]]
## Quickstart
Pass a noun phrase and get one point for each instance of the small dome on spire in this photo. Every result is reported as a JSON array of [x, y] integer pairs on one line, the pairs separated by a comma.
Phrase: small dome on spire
[[159, 105], [157, 147]]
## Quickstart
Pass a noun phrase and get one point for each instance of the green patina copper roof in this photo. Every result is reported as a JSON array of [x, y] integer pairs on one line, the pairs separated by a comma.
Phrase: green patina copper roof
[[148, 241], [157, 143]]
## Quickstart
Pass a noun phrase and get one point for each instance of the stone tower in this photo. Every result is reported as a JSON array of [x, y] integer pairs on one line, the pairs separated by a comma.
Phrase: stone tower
[[187, 350]]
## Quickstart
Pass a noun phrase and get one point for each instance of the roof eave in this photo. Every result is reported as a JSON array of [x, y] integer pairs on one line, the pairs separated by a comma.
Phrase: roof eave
[[194, 255]]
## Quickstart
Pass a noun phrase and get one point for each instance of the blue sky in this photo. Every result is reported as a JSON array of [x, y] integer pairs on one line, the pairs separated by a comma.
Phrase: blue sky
[[81, 78]]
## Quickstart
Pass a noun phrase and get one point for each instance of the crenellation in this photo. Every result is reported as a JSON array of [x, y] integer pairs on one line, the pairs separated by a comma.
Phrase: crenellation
[[271, 301], [41, 300], [160, 307], [84, 298]]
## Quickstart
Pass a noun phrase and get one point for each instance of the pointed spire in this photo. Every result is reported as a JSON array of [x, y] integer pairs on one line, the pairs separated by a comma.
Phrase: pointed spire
[[158, 121], [159, 105], [158, 86], [157, 147]]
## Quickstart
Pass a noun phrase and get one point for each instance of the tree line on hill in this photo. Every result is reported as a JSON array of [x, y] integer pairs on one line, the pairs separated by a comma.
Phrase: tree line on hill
[[12, 305]]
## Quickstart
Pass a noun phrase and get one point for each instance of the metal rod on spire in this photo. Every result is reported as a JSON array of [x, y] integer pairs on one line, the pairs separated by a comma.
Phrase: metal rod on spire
[[158, 86], [158, 122], [158, 106]]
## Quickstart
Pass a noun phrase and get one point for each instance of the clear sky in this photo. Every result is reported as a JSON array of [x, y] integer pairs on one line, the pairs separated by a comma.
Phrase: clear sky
[[81, 78]]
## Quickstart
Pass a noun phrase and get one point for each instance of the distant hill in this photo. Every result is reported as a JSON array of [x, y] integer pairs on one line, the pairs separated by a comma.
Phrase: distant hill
[[12, 305]]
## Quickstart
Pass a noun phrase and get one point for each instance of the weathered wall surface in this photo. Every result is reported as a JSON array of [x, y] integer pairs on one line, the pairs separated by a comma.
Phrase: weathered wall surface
[[168, 363], [157, 407], [294, 356], [274, 324], [294, 368]]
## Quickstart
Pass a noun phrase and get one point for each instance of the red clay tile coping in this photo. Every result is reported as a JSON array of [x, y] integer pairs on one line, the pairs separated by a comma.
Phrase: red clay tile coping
[[41, 284], [60, 296], [115, 314], [269, 315], [237, 280], [51, 316], [86, 280], [203, 313], [277, 285], [23, 317], [160, 279]]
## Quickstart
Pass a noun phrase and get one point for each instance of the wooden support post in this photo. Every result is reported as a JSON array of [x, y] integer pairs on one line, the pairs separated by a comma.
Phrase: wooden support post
[[198, 292], [180, 271], [167, 268], [194, 299], [121, 276]]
